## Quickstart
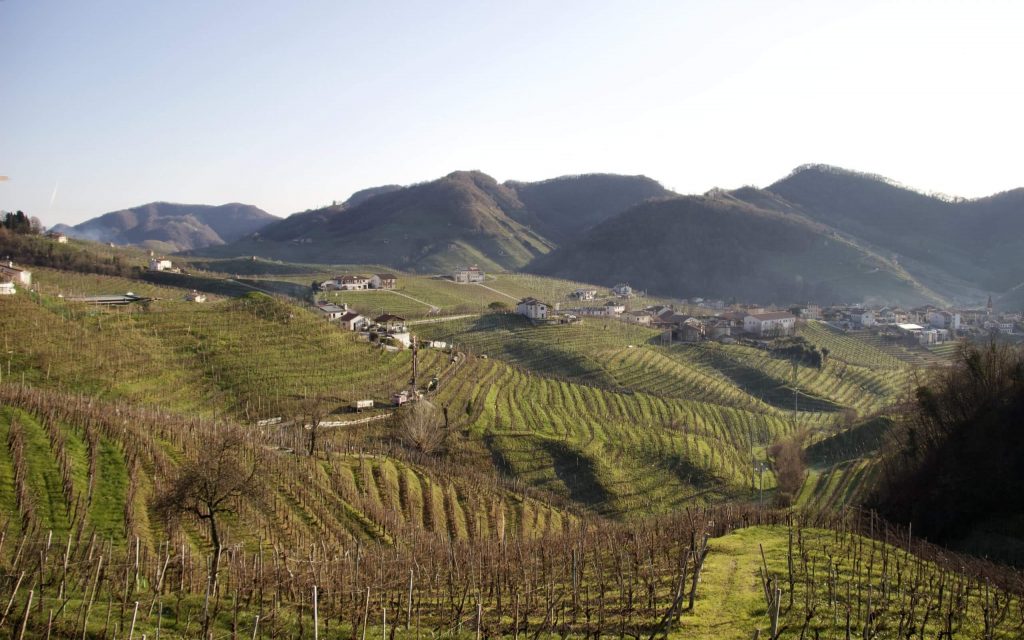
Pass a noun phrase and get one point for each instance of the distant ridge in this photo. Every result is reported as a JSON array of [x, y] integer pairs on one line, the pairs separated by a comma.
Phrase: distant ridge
[[172, 227], [466, 217]]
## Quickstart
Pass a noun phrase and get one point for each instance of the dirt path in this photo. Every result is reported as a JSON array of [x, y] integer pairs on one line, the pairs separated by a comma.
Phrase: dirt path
[[433, 309], [501, 293], [412, 323]]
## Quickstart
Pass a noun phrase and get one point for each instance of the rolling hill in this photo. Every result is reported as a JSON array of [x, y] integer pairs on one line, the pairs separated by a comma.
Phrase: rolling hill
[[947, 242], [748, 245], [466, 217], [168, 227]]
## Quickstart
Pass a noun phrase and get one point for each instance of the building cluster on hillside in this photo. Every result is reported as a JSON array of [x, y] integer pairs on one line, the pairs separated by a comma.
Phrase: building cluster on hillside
[[359, 282], [926, 325]]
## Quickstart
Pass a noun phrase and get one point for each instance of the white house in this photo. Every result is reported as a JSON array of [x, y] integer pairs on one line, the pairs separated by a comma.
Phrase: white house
[[352, 320], [863, 318], [7, 289], [775, 323], [13, 273], [195, 296], [352, 283], [160, 264], [468, 275], [584, 294], [612, 308], [533, 309], [383, 281]]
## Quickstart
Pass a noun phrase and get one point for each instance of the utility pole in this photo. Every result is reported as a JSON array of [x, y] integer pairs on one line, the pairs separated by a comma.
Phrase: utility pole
[[796, 391], [415, 363]]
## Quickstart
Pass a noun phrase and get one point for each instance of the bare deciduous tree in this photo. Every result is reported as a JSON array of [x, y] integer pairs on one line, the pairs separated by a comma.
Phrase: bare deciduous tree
[[420, 427], [208, 485]]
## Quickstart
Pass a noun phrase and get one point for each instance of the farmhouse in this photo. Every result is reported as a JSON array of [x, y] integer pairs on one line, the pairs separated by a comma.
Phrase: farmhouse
[[391, 323], [584, 294], [19, 276], [383, 281], [352, 283], [775, 323], [58, 236], [533, 309], [160, 264], [352, 321], [468, 275]]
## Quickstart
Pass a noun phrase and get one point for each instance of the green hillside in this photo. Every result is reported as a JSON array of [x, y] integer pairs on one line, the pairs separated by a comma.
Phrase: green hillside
[[721, 246]]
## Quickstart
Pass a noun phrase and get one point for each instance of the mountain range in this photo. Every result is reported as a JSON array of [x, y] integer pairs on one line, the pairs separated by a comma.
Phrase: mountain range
[[821, 234], [168, 227]]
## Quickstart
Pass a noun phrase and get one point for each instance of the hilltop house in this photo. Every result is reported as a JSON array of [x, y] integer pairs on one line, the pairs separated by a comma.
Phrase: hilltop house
[[19, 276], [468, 275], [533, 309], [58, 236], [771, 324], [383, 281], [584, 294], [623, 290], [160, 264]]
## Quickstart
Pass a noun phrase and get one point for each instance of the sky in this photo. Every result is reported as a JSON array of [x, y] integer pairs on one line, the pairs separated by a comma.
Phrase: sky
[[291, 105]]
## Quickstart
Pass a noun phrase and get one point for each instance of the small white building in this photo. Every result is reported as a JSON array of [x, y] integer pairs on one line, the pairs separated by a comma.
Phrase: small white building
[[195, 296], [468, 275], [7, 289], [584, 294], [329, 310], [13, 273], [775, 323], [533, 309], [160, 264]]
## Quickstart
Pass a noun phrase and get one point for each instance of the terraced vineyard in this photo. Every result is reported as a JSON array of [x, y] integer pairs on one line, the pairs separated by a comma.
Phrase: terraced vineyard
[[838, 384], [619, 453], [251, 357]]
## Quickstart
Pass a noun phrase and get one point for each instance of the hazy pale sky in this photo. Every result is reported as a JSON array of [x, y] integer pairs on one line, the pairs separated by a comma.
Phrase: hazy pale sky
[[289, 105]]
